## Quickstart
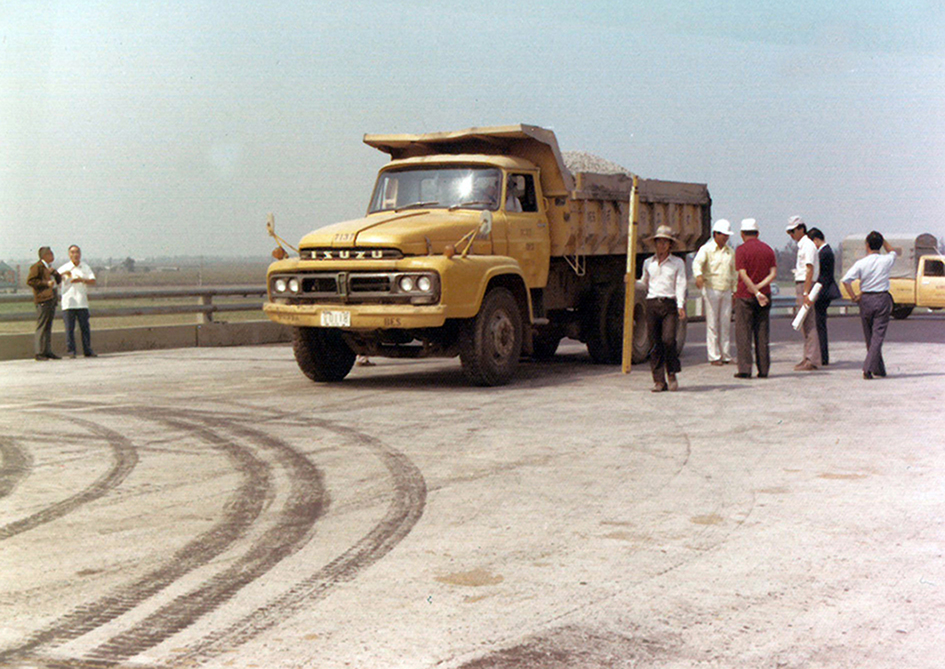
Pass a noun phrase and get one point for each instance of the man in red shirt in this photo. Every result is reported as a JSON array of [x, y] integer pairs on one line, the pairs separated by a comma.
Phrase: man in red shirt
[[757, 267]]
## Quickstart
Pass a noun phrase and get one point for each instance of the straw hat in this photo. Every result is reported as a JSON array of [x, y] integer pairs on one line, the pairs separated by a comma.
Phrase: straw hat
[[664, 232]]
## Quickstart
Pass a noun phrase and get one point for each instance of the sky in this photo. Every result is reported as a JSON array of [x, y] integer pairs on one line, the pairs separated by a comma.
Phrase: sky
[[162, 128]]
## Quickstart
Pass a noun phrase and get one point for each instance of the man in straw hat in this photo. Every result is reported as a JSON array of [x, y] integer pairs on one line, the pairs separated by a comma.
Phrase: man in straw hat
[[714, 269], [757, 268], [664, 280]]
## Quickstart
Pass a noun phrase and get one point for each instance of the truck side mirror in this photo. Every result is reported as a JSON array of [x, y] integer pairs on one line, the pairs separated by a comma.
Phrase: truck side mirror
[[485, 223]]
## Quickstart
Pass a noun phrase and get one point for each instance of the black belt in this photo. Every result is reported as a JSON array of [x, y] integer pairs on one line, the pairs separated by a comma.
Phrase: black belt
[[874, 292], [669, 299]]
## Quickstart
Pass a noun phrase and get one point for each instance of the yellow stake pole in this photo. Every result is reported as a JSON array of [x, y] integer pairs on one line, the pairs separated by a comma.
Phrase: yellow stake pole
[[631, 277]]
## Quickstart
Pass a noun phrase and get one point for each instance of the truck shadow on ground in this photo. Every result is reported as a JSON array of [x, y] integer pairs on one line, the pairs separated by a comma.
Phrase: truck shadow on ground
[[563, 369]]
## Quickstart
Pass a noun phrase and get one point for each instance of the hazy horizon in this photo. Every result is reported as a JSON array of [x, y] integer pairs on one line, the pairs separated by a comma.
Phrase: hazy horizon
[[142, 129]]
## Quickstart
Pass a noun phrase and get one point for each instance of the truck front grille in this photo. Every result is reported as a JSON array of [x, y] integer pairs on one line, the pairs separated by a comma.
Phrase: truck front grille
[[356, 287]]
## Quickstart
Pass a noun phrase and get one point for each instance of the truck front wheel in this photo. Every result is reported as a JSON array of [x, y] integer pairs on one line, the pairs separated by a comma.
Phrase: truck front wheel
[[491, 343], [322, 354]]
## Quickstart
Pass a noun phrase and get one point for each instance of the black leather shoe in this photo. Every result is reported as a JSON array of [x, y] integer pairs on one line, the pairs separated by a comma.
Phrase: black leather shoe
[[52, 356], [868, 376], [739, 375], [41, 357], [91, 355]]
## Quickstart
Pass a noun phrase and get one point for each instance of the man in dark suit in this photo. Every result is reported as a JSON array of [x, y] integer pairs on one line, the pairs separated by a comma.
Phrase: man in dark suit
[[829, 290], [44, 280]]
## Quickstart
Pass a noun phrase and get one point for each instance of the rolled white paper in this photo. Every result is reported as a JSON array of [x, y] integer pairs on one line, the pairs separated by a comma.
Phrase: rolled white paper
[[802, 312]]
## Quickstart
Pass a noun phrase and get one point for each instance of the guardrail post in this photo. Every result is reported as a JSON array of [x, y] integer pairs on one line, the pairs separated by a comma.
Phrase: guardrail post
[[205, 316]]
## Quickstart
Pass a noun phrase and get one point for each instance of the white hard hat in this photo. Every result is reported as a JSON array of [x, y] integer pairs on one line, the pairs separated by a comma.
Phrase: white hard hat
[[722, 226], [749, 225]]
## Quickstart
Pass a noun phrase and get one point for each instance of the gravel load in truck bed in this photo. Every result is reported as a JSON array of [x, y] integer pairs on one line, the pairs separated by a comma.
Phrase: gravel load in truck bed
[[582, 161]]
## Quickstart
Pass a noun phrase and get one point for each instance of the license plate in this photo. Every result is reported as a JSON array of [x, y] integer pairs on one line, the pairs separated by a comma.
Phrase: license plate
[[336, 319]]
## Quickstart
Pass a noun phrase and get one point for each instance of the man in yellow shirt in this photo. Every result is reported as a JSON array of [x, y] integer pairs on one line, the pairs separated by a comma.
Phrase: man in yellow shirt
[[714, 269]]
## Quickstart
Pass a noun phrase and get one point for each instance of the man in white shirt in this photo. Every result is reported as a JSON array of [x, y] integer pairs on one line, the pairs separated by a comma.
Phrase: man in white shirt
[[875, 301], [76, 278], [714, 269], [664, 280], [806, 273]]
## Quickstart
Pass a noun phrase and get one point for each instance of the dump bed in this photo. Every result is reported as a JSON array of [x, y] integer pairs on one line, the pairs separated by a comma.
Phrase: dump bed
[[588, 210]]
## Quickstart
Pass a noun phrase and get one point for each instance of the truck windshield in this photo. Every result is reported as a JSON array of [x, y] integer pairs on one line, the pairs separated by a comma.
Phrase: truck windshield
[[454, 187]]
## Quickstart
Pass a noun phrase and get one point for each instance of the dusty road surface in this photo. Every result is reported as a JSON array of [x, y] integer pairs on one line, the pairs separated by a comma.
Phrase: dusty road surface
[[214, 508]]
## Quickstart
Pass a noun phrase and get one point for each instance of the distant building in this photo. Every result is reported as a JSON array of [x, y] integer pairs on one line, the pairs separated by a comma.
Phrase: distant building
[[7, 277]]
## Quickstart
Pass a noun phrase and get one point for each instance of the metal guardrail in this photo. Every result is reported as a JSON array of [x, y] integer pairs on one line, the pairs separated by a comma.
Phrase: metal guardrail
[[204, 308]]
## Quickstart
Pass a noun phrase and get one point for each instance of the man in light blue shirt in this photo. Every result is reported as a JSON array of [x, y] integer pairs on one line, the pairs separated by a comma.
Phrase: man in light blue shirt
[[875, 301]]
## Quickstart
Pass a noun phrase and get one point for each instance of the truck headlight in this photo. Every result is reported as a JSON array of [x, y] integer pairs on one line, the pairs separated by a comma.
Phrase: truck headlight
[[279, 285], [294, 285], [406, 283], [424, 284]]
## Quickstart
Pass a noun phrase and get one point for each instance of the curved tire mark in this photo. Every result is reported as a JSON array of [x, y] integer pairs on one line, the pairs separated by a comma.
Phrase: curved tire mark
[[403, 513], [125, 460], [17, 465], [293, 529], [240, 512]]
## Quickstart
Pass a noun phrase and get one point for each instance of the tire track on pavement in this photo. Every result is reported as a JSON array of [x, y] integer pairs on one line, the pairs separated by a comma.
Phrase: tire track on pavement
[[240, 512], [17, 465], [404, 511], [294, 527], [125, 458]]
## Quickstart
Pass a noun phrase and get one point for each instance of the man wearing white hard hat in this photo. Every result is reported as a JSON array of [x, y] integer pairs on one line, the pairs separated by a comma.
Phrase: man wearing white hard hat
[[806, 273], [714, 269], [757, 267]]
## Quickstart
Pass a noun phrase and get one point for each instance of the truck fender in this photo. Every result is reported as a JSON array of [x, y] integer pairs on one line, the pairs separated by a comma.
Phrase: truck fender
[[469, 279]]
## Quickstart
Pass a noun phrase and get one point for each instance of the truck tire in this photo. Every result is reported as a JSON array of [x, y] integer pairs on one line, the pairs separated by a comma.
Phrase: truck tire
[[641, 338], [322, 354], [603, 324], [901, 313], [491, 343]]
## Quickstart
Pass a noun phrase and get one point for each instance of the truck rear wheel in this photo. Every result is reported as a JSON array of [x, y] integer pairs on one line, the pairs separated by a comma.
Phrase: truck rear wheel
[[491, 343], [604, 324], [901, 313], [322, 354]]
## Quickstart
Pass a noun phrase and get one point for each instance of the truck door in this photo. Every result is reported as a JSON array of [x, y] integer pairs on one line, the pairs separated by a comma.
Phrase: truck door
[[930, 282], [529, 240]]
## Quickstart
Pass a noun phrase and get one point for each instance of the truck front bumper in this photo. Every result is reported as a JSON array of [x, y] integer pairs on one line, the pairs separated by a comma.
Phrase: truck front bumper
[[362, 316]]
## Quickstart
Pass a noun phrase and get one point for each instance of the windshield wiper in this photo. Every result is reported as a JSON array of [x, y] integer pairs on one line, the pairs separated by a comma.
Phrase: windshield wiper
[[417, 205], [469, 203]]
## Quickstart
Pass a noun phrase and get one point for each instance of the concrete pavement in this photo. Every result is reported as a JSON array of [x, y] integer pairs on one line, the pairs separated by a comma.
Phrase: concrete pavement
[[212, 507]]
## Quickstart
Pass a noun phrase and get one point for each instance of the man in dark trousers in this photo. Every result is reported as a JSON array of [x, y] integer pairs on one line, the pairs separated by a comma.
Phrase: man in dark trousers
[[829, 290], [44, 280], [874, 299], [757, 267]]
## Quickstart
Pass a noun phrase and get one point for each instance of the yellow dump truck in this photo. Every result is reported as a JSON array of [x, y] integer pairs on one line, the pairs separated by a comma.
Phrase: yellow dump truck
[[480, 243], [918, 275]]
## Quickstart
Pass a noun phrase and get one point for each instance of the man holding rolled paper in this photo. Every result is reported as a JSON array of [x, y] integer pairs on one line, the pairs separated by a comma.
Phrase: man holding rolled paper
[[806, 273]]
